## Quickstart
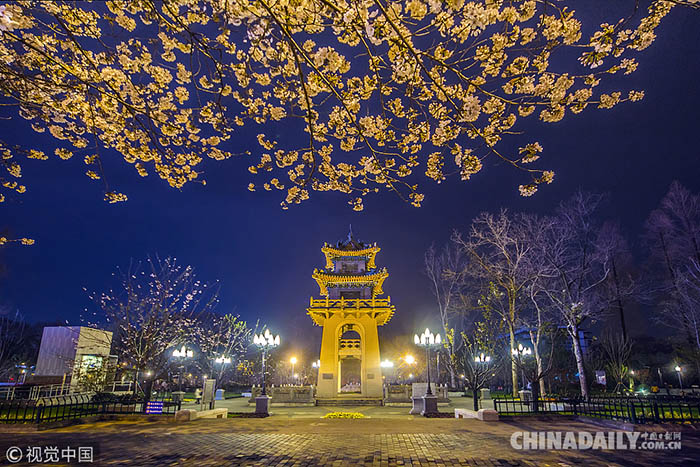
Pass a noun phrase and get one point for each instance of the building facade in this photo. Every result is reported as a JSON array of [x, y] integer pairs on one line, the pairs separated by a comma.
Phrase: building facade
[[67, 352]]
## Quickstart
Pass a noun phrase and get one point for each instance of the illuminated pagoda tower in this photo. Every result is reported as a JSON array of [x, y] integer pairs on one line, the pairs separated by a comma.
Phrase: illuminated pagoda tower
[[349, 312]]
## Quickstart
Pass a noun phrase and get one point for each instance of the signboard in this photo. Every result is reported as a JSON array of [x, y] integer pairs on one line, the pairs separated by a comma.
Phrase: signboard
[[208, 392], [600, 377], [154, 407]]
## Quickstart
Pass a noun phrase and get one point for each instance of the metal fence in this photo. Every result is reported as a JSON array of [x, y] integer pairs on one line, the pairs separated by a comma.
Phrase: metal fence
[[651, 409], [53, 390], [52, 409]]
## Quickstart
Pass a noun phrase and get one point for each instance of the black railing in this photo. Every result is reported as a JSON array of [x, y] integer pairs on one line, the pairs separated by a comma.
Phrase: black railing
[[650, 409], [55, 409]]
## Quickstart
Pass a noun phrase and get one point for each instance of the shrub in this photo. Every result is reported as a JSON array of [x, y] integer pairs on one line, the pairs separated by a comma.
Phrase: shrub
[[343, 415]]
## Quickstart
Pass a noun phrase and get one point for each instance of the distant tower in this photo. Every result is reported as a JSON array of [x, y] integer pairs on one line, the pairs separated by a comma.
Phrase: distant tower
[[349, 313]]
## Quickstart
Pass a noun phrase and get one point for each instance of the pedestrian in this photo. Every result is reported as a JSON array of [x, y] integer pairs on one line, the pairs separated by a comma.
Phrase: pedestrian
[[198, 395]]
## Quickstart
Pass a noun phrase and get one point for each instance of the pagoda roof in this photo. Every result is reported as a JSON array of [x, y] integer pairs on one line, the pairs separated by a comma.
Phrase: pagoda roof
[[324, 279], [350, 243], [350, 247]]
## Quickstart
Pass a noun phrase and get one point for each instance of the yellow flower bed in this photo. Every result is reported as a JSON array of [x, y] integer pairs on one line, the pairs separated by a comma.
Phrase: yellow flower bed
[[343, 415]]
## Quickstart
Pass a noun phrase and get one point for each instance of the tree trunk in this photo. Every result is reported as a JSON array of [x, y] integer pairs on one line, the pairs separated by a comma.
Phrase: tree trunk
[[475, 394], [538, 360], [619, 300], [513, 366], [536, 396], [542, 388], [453, 359], [437, 369], [579, 362]]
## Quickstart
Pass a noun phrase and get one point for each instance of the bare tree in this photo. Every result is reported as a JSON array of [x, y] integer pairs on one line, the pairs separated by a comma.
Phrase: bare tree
[[538, 321], [537, 317], [689, 281], [497, 252], [481, 354], [12, 340], [621, 287], [617, 350], [674, 234], [542, 336], [577, 267], [447, 272], [154, 309]]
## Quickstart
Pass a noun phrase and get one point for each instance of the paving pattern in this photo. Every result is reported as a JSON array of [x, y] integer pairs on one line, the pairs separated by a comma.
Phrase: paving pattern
[[253, 442]]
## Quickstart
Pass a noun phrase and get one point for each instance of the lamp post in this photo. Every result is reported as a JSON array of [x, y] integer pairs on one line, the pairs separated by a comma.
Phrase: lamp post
[[408, 360], [265, 342], [680, 380], [521, 351], [479, 359], [427, 340], [316, 366], [223, 361], [293, 361], [182, 354], [386, 364]]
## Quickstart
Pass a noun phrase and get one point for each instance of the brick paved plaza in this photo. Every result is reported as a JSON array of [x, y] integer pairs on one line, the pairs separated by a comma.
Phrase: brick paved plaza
[[281, 440]]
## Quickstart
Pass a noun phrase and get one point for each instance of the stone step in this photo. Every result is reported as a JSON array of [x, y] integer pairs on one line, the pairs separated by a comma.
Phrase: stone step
[[348, 402]]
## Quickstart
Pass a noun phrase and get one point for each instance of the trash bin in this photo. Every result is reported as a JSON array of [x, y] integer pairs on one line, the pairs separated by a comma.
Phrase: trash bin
[[219, 395]]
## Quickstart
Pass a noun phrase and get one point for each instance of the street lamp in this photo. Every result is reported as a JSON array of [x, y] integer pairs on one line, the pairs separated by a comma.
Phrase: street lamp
[[386, 365], [293, 361], [521, 351], [428, 340], [265, 342], [182, 354], [409, 360], [224, 360], [481, 358], [680, 380]]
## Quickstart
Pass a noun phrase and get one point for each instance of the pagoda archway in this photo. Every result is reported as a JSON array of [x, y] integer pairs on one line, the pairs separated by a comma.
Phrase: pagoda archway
[[349, 311], [350, 360]]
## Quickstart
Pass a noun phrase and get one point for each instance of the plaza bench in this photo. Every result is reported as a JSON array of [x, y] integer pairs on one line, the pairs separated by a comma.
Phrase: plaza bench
[[187, 415], [485, 415]]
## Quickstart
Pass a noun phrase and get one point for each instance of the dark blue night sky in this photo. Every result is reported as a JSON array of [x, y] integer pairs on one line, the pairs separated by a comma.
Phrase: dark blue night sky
[[264, 256]]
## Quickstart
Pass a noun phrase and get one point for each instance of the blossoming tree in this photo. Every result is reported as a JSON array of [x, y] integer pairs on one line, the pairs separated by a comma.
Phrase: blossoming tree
[[386, 90], [154, 309]]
